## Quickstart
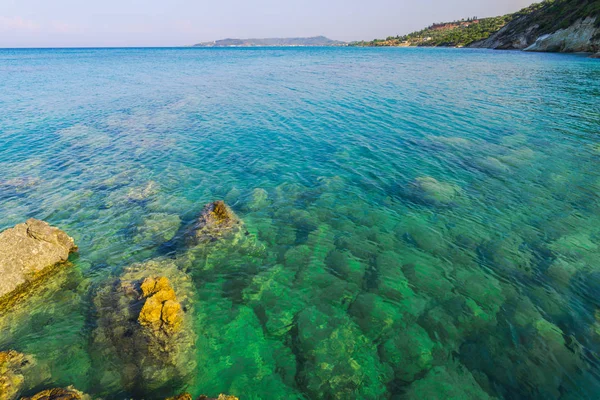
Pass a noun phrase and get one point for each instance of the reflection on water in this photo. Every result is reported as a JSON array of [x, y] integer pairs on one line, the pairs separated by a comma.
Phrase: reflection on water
[[423, 223]]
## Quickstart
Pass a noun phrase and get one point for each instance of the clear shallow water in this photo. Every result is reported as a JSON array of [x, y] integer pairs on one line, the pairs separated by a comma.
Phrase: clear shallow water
[[375, 280]]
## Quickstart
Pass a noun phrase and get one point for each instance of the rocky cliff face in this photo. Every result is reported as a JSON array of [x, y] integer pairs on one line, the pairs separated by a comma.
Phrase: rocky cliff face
[[545, 29], [579, 37]]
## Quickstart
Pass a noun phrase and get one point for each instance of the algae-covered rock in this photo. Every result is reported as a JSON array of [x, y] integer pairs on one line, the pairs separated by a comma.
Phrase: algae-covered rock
[[236, 353], [143, 325], [340, 362], [14, 366], [427, 274], [376, 316], [258, 199], [217, 221], [28, 253], [143, 192], [446, 383], [269, 295], [508, 254], [423, 232], [409, 352], [157, 228], [69, 393], [430, 191], [492, 166]]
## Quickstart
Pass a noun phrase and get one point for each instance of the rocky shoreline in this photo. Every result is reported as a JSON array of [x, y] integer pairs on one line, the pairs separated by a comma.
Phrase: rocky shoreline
[[583, 36], [142, 315]]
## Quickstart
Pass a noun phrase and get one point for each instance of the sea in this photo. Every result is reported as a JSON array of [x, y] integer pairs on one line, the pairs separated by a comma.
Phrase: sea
[[420, 223]]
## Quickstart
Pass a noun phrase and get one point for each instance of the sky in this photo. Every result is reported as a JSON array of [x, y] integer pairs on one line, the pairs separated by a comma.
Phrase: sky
[[124, 23]]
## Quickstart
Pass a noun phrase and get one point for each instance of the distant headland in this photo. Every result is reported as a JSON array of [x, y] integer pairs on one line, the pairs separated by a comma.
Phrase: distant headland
[[274, 42]]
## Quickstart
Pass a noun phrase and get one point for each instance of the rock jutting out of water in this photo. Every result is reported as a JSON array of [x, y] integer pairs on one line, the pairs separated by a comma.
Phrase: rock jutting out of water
[[143, 325], [217, 221], [29, 252]]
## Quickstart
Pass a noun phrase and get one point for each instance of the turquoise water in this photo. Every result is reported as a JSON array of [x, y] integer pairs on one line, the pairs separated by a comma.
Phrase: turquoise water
[[429, 219]]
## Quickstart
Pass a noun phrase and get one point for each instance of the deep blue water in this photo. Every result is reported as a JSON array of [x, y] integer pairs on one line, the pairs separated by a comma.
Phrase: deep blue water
[[430, 218]]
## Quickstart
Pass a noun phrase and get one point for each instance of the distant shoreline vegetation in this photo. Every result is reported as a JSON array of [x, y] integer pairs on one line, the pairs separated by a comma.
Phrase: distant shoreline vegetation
[[315, 41], [445, 34]]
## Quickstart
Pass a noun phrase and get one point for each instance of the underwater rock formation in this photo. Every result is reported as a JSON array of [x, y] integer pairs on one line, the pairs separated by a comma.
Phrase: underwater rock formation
[[13, 367], [157, 229], [220, 241], [217, 221], [143, 192], [143, 325], [447, 383], [69, 393], [340, 362], [430, 191], [28, 253]]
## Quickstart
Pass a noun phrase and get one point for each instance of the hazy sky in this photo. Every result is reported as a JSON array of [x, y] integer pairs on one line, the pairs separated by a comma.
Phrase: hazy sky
[[54, 23]]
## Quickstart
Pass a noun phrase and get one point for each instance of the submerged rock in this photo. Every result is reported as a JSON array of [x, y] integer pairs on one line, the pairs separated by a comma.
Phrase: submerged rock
[[144, 192], [13, 367], [429, 190], [217, 221], [258, 199], [143, 325], [69, 393], [447, 383], [28, 253], [157, 229], [492, 165]]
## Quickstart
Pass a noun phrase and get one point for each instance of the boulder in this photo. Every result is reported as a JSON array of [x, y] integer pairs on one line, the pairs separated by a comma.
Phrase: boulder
[[69, 393], [28, 253], [13, 367], [217, 221], [597, 55], [144, 328]]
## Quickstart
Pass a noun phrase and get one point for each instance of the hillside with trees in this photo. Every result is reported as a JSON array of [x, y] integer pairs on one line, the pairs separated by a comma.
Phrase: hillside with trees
[[548, 17]]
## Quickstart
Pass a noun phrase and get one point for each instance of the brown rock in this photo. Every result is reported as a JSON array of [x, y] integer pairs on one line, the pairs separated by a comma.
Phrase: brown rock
[[69, 393], [597, 55], [216, 221], [12, 370], [144, 326], [28, 253], [161, 309]]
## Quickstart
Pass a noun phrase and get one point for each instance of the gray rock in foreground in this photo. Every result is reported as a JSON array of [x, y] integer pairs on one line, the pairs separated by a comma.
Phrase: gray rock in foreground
[[28, 252]]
